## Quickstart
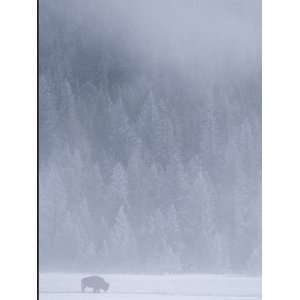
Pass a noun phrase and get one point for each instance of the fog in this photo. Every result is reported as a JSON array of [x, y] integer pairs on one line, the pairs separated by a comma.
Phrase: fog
[[150, 136]]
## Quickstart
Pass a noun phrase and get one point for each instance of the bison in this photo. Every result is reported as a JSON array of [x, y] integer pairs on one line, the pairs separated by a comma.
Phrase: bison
[[95, 282]]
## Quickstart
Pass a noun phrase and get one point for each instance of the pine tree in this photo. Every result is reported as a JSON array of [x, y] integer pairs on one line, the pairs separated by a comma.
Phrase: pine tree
[[53, 210], [171, 260], [117, 192], [122, 242], [71, 125], [173, 230], [48, 118], [155, 241], [122, 137]]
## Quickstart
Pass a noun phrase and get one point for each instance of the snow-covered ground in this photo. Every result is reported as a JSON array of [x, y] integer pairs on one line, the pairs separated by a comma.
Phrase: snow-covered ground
[[153, 287]]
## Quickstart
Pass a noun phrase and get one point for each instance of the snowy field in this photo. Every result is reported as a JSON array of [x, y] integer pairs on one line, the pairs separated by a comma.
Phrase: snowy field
[[153, 287]]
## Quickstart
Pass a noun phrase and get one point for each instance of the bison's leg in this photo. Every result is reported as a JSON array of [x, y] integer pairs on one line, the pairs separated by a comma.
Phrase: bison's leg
[[82, 287], [94, 290]]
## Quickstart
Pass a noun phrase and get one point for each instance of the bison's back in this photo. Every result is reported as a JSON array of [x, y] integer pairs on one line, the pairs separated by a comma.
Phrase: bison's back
[[93, 281]]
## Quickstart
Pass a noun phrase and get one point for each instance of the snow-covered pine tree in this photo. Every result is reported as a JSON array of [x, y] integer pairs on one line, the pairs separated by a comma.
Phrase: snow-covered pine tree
[[48, 118], [123, 244], [173, 231], [122, 137], [53, 211], [117, 191]]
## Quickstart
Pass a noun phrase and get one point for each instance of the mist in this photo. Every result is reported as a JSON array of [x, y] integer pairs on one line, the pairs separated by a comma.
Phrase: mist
[[150, 136]]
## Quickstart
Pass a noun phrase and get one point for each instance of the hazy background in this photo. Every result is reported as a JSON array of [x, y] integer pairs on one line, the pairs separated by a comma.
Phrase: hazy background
[[150, 136]]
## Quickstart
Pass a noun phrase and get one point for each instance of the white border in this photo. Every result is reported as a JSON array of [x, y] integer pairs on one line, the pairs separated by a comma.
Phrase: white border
[[281, 150], [18, 161]]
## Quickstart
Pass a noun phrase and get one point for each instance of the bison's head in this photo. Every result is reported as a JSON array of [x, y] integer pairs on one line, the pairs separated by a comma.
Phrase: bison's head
[[106, 286]]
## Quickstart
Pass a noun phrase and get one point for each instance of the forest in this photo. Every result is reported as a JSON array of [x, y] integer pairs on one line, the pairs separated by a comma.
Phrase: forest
[[150, 136]]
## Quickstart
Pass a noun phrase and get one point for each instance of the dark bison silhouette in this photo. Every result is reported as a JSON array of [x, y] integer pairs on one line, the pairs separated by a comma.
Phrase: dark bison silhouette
[[95, 282]]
